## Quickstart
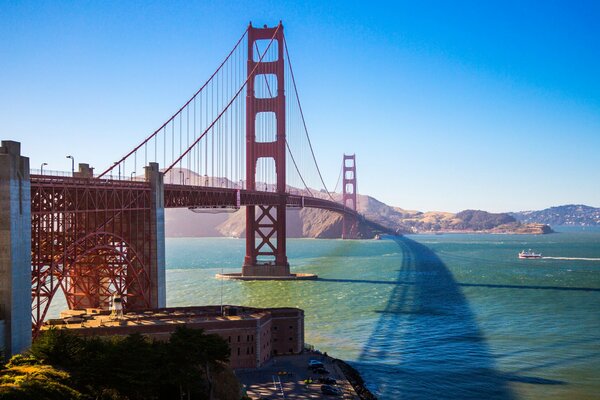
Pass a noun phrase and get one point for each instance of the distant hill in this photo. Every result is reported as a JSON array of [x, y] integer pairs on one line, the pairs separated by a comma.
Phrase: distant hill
[[464, 221], [481, 220], [571, 214], [314, 223]]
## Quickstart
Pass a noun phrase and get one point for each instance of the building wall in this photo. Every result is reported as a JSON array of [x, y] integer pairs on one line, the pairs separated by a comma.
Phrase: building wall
[[250, 336], [287, 330], [242, 343], [15, 248], [264, 343], [241, 335]]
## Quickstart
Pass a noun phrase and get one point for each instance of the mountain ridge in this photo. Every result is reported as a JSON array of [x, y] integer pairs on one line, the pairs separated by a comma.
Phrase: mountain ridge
[[568, 214], [315, 223]]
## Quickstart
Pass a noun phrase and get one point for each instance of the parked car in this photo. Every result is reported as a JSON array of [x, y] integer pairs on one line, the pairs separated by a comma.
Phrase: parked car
[[327, 380], [328, 389], [322, 371], [315, 364]]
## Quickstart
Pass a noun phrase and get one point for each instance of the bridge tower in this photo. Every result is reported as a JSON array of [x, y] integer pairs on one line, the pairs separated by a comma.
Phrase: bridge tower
[[265, 225], [349, 224]]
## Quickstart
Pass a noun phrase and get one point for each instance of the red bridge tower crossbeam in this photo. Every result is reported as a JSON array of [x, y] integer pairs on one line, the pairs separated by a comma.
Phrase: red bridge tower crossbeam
[[349, 224], [265, 224]]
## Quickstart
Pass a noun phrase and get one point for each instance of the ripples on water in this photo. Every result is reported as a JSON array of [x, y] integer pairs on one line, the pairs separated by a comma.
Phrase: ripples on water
[[427, 339], [430, 317]]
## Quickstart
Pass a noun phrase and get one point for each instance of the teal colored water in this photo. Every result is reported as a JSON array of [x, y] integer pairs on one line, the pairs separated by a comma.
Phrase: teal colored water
[[440, 316], [430, 316]]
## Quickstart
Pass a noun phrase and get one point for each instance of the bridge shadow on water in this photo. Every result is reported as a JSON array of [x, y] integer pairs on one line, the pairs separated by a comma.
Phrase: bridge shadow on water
[[426, 343], [483, 285]]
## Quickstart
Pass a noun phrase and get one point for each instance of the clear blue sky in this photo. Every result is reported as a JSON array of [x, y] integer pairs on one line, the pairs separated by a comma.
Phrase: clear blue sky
[[448, 106]]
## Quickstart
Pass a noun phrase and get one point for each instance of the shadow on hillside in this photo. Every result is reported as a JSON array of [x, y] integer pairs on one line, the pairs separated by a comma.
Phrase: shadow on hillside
[[426, 344]]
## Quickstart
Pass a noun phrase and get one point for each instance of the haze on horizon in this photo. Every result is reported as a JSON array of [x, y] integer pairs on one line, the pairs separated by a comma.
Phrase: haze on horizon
[[447, 106]]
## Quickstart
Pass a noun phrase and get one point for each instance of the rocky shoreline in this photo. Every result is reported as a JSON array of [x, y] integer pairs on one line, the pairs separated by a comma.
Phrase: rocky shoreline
[[355, 379]]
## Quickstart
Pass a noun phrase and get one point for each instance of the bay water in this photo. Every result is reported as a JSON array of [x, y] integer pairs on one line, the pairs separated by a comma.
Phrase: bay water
[[430, 316], [454, 316]]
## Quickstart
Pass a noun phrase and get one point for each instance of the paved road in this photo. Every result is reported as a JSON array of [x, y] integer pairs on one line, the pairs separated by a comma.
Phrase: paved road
[[268, 382]]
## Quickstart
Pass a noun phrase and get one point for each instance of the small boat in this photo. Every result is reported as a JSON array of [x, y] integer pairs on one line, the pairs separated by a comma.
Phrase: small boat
[[529, 254], [377, 237]]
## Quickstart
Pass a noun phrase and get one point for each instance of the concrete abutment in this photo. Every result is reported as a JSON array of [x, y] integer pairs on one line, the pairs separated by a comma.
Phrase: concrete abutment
[[15, 249]]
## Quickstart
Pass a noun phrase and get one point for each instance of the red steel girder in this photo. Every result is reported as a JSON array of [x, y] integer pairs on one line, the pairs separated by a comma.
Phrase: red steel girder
[[275, 238], [89, 239], [349, 196]]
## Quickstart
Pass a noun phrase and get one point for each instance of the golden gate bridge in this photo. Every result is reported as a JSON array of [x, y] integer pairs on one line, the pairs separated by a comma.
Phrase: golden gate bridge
[[240, 141]]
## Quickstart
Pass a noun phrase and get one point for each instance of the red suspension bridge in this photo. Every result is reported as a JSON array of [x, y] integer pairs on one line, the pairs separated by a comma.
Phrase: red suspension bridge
[[240, 141]]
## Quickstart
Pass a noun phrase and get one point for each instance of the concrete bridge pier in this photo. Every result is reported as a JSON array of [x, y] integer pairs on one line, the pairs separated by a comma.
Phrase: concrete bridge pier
[[15, 249], [157, 236]]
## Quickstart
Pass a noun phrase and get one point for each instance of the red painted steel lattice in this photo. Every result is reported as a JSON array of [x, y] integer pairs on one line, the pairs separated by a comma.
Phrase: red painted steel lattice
[[350, 223], [267, 224], [89, 240]]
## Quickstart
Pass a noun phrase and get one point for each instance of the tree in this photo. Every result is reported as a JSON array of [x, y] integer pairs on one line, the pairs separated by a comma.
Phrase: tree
[[122, 368], [192, 354], [41, 382], [58, 347]]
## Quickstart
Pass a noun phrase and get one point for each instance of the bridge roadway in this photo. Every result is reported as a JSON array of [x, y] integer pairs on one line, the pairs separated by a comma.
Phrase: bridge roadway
[[104, 194]]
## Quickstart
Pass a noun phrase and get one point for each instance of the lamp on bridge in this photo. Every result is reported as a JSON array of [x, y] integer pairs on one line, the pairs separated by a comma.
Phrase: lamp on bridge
[[72, 165], [132, 174], [42, 168]]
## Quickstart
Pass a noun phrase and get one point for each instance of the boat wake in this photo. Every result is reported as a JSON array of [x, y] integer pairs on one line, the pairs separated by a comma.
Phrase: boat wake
[[571, 258]]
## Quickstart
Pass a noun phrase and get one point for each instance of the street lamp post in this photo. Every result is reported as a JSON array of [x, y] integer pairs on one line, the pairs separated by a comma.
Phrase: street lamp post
[[132, 174], [72, 165], [42, 168]]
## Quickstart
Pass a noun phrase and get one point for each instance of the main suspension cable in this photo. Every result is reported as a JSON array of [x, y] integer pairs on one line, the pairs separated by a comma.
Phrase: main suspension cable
[[338, 179], [251, 75], [287, 145], [178, 111], [303, 120]]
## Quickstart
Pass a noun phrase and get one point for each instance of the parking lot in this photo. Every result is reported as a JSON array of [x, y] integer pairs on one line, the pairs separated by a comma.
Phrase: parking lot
[[284, 378]]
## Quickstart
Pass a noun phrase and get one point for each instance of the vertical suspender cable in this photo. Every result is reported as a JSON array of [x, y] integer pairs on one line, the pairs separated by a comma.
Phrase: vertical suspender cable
[[155, 133]]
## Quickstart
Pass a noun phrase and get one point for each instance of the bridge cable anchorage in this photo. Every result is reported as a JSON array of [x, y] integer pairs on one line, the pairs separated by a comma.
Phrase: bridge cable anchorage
[[303, 119], [251, 75], [143, 143], [286, 141]]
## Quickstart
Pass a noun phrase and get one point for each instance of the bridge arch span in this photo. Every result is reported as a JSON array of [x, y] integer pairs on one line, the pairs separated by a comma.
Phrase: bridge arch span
[[99, 265]]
